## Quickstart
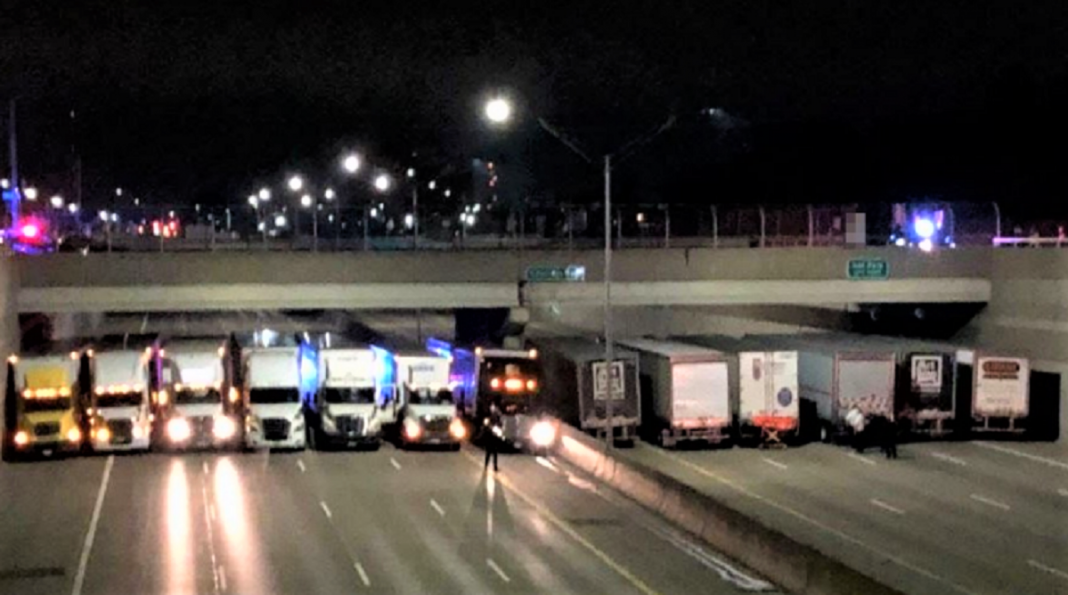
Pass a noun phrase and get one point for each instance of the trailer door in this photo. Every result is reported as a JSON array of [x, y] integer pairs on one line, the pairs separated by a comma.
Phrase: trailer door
[[867, 383], [700, 390], [782, 374]]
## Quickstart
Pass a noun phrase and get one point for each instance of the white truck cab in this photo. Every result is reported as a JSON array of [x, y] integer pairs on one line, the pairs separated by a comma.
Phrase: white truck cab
[[429, 414], [345, 409], [274, 381], [120, 417], [198, 404]]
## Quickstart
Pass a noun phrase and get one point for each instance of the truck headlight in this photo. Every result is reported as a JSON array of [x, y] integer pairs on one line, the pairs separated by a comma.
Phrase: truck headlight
[[223, 427], [103, 434], [178, 429], [543, 433], [457, 429], [74, 435], [21, 438], [412, 429]]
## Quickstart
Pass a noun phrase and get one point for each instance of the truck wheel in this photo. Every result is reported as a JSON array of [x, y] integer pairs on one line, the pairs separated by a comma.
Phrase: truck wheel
[[825, 433]]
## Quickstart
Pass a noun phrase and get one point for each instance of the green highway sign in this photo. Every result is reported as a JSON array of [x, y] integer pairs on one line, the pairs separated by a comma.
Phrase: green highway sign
[[556, 274], [868, 269]]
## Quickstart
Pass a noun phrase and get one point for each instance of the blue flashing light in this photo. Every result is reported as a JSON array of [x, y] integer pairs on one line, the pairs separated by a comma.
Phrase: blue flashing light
[[925, 228], [385, 375]]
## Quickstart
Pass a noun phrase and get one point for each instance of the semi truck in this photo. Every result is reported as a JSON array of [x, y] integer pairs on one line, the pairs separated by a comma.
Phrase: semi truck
[[345, 410], [836, 374], [582, 384], [120, 411], [429, 414], [198, 404], [685, 390], [511, 378], [278, 380], [45, 411], [1001, 392]]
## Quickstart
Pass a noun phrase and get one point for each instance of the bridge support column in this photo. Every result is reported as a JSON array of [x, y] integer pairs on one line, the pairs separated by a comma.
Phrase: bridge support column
[[9, 325]]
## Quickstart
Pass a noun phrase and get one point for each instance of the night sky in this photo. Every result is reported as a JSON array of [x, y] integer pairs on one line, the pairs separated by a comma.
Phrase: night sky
[[831, 101]]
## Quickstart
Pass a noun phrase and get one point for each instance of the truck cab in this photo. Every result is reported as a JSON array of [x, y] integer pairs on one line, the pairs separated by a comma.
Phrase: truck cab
[[344, 410], [120, 411], [429, 413], [277, 382], [45, 393], [198, 405]]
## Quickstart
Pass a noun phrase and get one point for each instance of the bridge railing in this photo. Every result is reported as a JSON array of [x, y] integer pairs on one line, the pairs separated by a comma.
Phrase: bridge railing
[[491, 227]]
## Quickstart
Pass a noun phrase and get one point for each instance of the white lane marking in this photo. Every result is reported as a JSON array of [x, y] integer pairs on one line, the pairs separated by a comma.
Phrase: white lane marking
[[774, 463], [94, 520], [949, 459], [300, 464], [395, 464], [493, 566], [215, 566], [811, 521], [1063, 492], [1054, 571], [1022, 455], [222, 577], [885, 506], [437, 507], [544, 462], [363, 574], [211, 511], [862, 459], [990, 502], [205, 467], [326, 510]]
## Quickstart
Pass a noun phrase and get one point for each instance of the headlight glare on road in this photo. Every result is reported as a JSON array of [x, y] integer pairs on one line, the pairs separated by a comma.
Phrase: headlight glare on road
[[223, 427], [178, 429], [457, 429], [543, 433], [412, 429]]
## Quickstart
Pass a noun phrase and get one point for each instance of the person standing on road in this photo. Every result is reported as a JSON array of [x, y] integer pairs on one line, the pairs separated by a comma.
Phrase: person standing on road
[[855, 419], [492, 429], [888, 437]]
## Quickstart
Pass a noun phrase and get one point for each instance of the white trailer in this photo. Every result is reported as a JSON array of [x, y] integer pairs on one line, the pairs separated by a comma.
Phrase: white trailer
[[429, 414], [1001, 392], [121, 411], [690, 392], [275, 385], [345, 409]]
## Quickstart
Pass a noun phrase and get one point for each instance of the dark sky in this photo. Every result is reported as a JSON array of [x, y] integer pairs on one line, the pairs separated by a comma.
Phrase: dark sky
[[842, 100]]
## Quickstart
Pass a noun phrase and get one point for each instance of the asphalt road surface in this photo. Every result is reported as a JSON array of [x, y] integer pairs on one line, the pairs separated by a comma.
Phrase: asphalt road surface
[[336, 522], [945, 518]]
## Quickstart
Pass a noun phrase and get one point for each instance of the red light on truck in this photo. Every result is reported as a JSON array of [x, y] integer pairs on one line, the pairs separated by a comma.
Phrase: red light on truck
[[495, 383]]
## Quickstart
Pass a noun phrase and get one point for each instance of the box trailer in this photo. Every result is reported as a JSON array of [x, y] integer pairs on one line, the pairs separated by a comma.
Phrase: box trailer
[[687, 392], [579, 384], [764, 387], [1000, 392]]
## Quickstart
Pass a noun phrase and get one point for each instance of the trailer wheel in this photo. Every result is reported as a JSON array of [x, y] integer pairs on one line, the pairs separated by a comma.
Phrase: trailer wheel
[[825, 433]]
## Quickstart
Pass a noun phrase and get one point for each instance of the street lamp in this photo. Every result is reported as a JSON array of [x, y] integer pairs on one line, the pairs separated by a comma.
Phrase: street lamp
[[72, 208], [295, 183], [306, 201], [265, 194], [253, 201], [499, 111], [329, 194], [382, 183], [31, 193], [351, 163], [57, 202]]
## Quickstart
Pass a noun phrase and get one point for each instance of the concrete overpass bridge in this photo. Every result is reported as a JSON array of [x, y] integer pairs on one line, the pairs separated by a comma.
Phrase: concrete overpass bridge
[[157, 282]]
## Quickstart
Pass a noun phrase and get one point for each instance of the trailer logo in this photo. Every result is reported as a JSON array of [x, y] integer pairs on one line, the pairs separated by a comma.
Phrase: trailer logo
[[1006, 369], [785, 397]]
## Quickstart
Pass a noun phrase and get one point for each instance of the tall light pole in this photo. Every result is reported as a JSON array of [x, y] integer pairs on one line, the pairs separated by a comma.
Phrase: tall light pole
[[415, 207], [498, 111]]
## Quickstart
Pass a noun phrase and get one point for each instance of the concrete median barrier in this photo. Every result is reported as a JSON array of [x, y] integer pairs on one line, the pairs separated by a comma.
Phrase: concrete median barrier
[[796, 567]]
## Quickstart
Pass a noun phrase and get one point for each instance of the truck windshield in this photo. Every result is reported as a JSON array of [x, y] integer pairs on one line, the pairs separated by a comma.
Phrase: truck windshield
[[266, 396], [35, 405], [349, 395], [425, 396], [207, 396], [130, 399]]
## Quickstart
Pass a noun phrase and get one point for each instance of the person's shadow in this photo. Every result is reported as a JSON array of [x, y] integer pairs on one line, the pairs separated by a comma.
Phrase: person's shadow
[[488, 523]]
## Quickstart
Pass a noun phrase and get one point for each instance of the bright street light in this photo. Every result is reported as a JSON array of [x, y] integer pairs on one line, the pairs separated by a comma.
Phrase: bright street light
[[265, 194], [31, 193], [382, 182], [329, 194], [411, 172], [118, 192], [73, 208], [432, 185], [295, 183], [57, 202], [448, 193], [103, 215], [351, 163], [252, 200], [5, 183], [279, 220], [409, 220], [498, 110], [306, 201]]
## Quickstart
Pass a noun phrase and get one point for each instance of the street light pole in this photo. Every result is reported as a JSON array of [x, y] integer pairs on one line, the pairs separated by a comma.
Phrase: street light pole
[[608, 347], [415, 216]]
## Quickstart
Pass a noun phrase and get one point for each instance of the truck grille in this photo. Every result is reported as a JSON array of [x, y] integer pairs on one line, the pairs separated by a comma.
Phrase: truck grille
[[437, 424], [121, 431], [201, 427], [348, 425], [276, 429], [46, 429]]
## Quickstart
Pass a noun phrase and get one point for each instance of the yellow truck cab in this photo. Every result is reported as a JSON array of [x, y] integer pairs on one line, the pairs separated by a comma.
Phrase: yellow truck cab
[[47, 412]]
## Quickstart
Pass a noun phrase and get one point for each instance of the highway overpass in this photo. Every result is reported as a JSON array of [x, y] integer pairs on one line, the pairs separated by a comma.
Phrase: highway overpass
[[150, 282]]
